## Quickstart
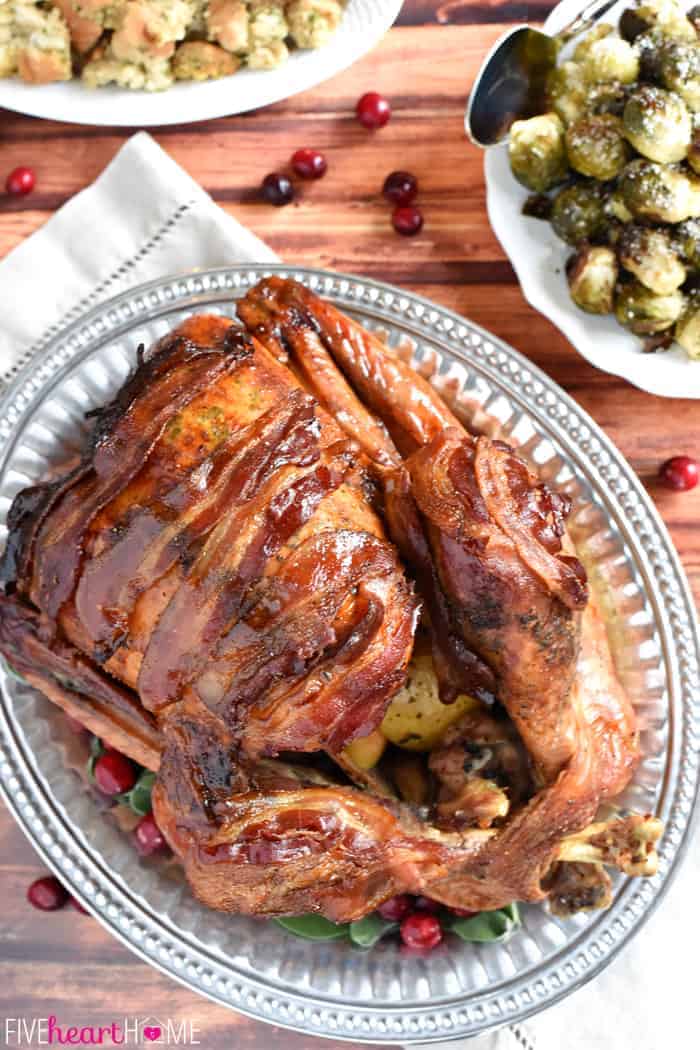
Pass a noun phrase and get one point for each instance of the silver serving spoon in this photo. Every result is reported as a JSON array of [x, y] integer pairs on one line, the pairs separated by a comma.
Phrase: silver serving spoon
[[510, 84]]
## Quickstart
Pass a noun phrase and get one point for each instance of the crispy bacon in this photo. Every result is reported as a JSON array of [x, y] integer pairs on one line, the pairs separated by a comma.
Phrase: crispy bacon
[[124, 434]]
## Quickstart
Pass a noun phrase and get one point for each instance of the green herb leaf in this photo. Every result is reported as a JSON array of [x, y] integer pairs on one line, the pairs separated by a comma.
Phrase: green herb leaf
[[96, 749], [139, 798], [11, 671], [366, 932], [488, 926], [313, 927]]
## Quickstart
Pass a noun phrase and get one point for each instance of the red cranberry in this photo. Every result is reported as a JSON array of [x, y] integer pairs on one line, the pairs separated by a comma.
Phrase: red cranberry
[[373, 110], [680, 473], [78, 906], [47, 894], [407, 221], [114, 773], [20, 182], [463, 913], [148, 835], [277, 189], [426, 904], [396, 908], [309, 163], [400, 187], [421, 931]]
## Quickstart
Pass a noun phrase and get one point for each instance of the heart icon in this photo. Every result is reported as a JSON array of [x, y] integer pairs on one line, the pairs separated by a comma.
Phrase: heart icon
[[151, 1033]]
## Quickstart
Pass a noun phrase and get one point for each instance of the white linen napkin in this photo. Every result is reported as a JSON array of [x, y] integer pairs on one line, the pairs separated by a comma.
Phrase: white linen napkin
[[144, 218]]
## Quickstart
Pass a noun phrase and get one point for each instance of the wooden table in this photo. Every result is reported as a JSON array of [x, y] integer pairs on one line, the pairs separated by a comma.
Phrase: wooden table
[[65, 963]]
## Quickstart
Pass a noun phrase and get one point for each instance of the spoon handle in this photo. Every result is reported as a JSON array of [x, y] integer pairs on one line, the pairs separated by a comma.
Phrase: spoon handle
[[585, 19]]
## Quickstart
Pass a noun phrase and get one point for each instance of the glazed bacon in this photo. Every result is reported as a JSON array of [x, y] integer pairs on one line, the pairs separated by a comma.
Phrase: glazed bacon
[[212, 590]]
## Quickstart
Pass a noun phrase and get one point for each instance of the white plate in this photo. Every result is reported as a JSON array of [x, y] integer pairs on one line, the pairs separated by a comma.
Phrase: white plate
[[538, 258], [364, 24]]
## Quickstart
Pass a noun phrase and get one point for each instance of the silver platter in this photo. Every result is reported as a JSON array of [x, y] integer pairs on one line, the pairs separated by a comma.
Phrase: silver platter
[[331, 989]]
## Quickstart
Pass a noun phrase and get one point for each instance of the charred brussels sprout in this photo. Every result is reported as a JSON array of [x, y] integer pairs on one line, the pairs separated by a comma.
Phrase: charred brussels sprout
[[651, 256], [592, 275], [679, 71], [658, 124], [537, 153], [662, 194], [567, 91], [578, 213], [687, 330], [667, 16], [610, 59], [644, 312], [596, 146], [694, 17]]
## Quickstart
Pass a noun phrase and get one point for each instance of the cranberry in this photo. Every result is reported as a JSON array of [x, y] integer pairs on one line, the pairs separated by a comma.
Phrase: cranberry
[[463, 913], [421, 931], [373, 110], [407, 220], [114, 773], [47, 894], [148, 835], [78, 906], [680, 473], [277, 189], [426, 904], [20, 182], [396, 908], [400, 187], [309, 163]]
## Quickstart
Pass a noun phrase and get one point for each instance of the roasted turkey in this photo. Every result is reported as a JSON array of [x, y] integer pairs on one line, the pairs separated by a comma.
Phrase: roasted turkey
[[229, 587]]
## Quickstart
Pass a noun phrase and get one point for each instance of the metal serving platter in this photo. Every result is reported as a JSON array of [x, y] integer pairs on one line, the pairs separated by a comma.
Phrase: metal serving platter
[[331, 989]]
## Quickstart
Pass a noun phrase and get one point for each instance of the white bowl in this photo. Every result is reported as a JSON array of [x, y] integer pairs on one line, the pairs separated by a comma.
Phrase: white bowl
[[364, 24], [538, 258]]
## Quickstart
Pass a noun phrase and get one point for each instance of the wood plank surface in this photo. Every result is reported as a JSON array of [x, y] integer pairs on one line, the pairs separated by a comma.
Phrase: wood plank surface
[[65, 963]]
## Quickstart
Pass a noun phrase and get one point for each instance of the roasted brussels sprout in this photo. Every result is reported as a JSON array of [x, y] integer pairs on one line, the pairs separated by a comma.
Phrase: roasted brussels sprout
[[660, 193], [616, 208], [595, 146], [679, 71], [537, 153], [567, 91], [687, 241], [658, 124], [599, 32], [610, 59], [687, 330], [578, 213], [694, 17], [644, 312], [592, 275], [607, 98], [668, 16], [693, 156], [650, 47], [651, 256]]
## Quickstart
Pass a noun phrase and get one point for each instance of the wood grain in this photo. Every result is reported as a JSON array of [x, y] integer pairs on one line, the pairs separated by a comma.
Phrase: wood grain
[[65, 963]]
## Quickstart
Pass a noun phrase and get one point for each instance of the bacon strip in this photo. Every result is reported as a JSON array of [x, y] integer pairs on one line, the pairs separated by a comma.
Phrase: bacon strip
[[280, 485], [162, 533], [277, 675], [124, 436]]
